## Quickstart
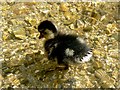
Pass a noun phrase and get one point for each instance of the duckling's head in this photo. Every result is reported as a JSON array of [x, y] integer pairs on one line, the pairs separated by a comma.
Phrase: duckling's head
[[47, 30]]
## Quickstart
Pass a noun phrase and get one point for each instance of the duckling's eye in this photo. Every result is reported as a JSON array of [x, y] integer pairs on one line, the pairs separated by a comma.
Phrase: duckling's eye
[[45, 32]]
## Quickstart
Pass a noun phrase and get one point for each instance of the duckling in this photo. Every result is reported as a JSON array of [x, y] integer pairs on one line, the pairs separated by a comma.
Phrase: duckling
[[66, 48]]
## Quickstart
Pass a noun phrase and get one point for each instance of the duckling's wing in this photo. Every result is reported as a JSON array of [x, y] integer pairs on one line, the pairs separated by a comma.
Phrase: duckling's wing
[[73, 48]]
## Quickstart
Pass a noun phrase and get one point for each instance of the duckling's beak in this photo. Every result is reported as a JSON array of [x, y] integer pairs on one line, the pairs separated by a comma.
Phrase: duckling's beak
[[41, 35]]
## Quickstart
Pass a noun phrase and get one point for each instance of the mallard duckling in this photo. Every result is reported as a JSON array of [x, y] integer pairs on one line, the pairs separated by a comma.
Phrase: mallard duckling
[[65, 48]]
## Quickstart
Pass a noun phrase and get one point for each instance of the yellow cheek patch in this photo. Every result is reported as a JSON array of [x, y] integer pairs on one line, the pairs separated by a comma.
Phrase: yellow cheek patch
[[48, 34]]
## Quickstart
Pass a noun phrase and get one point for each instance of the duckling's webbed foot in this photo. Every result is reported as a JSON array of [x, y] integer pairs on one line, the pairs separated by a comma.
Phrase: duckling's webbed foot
[[62, 64]]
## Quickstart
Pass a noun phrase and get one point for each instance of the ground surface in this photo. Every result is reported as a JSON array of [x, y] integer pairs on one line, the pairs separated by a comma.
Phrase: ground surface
[[22, 55]]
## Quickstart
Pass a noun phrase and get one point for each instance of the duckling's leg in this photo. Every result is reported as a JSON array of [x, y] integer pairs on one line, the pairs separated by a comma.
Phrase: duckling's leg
[[61, 64]]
